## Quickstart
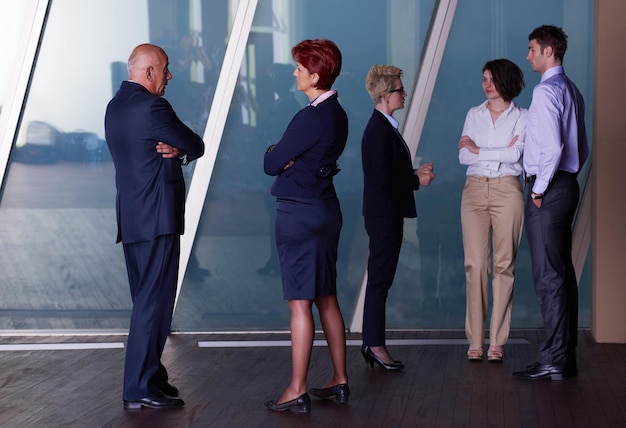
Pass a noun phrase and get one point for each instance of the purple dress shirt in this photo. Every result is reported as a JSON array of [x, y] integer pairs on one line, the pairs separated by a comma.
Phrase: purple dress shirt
[[556, 139]]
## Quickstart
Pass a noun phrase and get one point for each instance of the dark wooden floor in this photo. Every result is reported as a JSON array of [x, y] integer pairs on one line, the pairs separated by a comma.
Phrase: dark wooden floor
[[226, 386]]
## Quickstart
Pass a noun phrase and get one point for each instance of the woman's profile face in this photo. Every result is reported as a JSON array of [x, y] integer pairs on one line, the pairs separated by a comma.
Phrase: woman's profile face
[[304, 79], [396, 96]]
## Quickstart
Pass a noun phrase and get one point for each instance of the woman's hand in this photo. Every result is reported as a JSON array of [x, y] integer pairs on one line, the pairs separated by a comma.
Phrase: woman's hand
[[469, 144], [425, 174]]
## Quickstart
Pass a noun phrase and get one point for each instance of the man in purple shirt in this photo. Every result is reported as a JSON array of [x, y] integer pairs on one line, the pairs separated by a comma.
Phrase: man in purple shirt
[[556, 148]]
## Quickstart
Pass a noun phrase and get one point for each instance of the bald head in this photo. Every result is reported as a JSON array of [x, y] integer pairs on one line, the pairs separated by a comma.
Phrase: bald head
[[148, 66]]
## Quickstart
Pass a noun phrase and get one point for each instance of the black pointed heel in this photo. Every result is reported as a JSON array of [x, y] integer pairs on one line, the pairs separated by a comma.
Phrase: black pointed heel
[[371, 358], [301, 404], [340, 393]]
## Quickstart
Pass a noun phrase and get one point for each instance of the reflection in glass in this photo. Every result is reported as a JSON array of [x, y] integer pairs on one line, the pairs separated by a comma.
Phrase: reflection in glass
[[60, 266], [233, 281], [57, 214], [481, 30]]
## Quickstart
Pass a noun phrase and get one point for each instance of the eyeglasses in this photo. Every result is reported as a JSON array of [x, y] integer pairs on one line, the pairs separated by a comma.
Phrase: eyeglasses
[[400, 89]]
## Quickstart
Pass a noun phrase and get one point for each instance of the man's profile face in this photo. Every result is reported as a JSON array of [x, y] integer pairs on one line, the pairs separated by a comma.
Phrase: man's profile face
[[536, 57], [161, 75]]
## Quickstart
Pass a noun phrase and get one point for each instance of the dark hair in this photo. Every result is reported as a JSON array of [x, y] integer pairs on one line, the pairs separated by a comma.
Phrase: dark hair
[[319, 56], [507, 77], [280, 77], [549, 35]]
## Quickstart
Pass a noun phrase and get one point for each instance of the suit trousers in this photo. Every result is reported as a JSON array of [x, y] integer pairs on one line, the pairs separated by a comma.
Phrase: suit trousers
[[152, 273], [385, 235], [492, 215], [549, 234]]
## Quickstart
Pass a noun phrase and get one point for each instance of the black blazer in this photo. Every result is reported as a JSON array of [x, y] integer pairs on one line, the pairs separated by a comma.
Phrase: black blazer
[[315, 139], [150, 189], [389, 177]]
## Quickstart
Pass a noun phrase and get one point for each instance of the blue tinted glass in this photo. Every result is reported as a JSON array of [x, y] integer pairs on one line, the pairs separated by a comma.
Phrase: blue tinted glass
[[429, 290], [57, 213], [57, 218], [233, 281]]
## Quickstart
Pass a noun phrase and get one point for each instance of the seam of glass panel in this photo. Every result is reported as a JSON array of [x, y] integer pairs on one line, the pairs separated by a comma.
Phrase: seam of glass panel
[[427, 73], [582, 229], [216, 121], [418, 107], [20, 77]]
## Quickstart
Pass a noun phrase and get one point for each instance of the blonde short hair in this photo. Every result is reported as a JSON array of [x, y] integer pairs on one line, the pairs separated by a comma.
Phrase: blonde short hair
[[380, 79]]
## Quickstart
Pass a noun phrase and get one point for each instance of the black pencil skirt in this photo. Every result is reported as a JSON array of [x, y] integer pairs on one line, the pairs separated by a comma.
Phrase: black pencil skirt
[[307, 236]]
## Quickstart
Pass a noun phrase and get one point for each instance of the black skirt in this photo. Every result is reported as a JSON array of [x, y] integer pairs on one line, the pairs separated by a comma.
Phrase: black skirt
[[307, 236]]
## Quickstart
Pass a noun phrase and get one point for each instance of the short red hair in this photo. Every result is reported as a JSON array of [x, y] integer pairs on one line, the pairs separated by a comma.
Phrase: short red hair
[[321, 56]]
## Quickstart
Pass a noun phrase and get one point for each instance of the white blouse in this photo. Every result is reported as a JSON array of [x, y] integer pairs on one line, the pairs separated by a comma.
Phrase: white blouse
[[495, 158]]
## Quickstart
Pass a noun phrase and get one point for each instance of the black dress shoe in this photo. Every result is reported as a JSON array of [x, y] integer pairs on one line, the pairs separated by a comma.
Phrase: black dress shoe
[[543, 371], [372, 358], [301, 404], [154, 403], [339, 393], [168, 390]]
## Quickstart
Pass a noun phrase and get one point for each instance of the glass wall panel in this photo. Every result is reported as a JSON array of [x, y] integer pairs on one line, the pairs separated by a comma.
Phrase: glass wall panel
[[429, 291], [12, 19], [233, 281], [61, 268]]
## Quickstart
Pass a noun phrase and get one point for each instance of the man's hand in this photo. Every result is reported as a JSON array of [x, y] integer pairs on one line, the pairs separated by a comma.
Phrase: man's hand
[[425, 174], [289, 164], [167, 151]]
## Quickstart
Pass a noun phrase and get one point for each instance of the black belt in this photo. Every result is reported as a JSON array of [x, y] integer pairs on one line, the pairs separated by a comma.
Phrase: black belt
[[559, 173]]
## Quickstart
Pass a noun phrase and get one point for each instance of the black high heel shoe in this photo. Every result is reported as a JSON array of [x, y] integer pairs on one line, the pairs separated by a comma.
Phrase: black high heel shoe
[[371, 358], [302, 404], [339, 393]]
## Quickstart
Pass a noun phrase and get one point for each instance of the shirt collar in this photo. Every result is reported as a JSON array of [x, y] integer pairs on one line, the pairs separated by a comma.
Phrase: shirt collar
[[484, 107], [392, 120], [326, 95], [553, 71]]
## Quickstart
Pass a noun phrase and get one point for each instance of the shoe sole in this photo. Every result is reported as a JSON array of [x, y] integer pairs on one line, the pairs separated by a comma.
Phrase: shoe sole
[[138, 406], [555, 376]]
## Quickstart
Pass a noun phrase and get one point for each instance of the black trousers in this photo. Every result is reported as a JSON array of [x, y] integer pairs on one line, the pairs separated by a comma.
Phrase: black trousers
[[152, 273], [549, 233], [385, 235]]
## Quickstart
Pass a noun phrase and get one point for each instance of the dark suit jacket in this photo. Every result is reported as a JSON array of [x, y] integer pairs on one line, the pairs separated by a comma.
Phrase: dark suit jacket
[[389, 177], [150, 189], [315, 138]]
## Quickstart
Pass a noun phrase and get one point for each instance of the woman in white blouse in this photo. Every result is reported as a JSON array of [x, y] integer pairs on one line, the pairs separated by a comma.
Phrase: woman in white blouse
[[492, 205]]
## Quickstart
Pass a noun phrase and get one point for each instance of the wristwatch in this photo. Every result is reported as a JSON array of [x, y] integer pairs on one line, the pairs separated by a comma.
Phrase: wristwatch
[[534, 195]]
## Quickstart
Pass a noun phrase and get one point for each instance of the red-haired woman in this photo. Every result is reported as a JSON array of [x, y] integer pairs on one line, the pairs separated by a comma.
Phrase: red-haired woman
[[308, 221]]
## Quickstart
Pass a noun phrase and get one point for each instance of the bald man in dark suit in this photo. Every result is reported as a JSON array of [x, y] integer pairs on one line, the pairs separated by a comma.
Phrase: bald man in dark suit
[[149, 144]]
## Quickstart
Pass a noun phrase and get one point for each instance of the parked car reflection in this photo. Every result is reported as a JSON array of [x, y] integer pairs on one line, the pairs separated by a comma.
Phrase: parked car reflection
[[45, 144]]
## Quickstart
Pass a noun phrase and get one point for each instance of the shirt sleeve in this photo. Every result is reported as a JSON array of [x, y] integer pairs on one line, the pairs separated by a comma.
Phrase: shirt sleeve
[[507, 154], [547, 114], [465, 156]]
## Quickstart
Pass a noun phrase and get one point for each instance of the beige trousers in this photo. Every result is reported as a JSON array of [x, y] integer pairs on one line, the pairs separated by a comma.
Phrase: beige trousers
[[490, 208]]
